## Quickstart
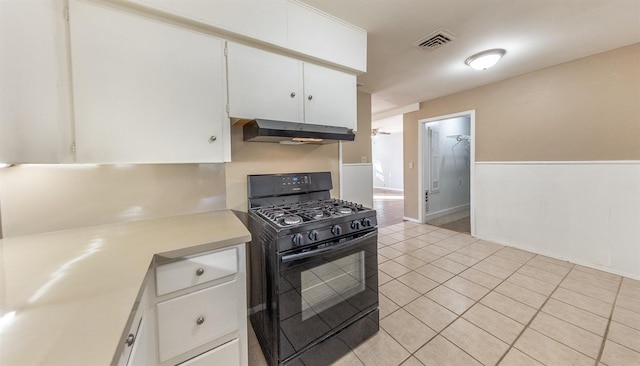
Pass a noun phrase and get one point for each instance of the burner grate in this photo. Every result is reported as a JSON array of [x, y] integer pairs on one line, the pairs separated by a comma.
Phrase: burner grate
[[286, 215]]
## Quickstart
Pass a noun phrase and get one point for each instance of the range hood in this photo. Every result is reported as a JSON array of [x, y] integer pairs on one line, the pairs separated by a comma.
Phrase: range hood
[[265, 130]]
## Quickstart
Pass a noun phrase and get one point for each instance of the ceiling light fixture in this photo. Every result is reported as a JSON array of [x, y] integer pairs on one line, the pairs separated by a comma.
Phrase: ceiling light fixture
[[485, 59]]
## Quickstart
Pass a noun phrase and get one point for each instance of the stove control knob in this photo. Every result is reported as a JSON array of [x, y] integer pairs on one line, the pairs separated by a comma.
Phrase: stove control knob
[[297, 239], [336, 230], [313, 235], [366, 222], [355, 224]]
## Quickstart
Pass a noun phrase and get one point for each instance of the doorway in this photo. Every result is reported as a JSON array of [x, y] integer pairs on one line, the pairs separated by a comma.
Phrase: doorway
[[446, 171], [388, 179]]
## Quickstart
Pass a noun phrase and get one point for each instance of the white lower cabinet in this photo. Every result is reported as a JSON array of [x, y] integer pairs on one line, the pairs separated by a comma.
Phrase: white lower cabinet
[[192, 320], [130, 341], [202, 320], [196, 270], [139, 349], [135, 343], [227, 354]]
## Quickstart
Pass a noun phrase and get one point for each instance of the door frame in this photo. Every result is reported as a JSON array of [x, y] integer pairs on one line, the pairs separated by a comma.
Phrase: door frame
[[472, 166]]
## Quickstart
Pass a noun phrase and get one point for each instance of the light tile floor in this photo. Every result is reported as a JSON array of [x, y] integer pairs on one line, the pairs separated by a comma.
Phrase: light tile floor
[[449, 299]]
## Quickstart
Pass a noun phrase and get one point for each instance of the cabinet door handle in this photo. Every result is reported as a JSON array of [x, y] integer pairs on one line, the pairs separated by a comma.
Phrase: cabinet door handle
[[212, 138], [130, 339], [200, 320], [292, 95], [199, 271], [310, 97]]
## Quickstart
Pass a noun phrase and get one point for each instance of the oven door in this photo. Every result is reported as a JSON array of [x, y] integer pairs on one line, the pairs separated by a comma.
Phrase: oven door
[[324, 289]]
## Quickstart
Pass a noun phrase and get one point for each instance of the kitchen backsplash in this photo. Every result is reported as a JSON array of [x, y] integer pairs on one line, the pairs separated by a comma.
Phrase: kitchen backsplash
[[41, 198]]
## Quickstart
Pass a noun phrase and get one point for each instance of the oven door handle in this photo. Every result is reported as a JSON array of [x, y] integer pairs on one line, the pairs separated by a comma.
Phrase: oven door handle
[[333, 248]]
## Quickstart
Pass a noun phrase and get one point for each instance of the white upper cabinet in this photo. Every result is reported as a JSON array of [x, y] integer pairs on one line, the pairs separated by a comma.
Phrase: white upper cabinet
[[35, 125], [271, 86], [144, 81], [330, 97], [144, 90], [264, 20], [288, 24], [317, 34], [264, 85]]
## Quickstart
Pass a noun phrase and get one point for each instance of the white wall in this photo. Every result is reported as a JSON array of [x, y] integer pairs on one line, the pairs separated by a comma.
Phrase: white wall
[[449, 165], [355, 183], [387, 161], [584, 212]]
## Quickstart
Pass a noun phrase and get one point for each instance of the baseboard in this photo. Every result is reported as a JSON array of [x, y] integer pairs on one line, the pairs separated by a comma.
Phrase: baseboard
[[446, 212], [411, 219], [389, 189], [570, 260]]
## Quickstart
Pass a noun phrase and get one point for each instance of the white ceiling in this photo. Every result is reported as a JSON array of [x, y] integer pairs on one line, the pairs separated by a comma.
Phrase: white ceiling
[[535, 33]]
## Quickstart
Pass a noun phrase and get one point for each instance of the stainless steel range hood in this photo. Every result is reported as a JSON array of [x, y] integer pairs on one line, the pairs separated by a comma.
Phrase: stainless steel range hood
[[264, 130]]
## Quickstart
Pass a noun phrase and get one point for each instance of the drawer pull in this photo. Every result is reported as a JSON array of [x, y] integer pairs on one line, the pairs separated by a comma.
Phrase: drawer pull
[[200, 271], [130, 339], [200, 320]]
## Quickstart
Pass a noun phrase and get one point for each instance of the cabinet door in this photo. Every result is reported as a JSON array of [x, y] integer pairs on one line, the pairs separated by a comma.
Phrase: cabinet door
[[145, 91], [264, 85], [138, 355], [320, 35], [258, 19], [330, 97], [35, 126]]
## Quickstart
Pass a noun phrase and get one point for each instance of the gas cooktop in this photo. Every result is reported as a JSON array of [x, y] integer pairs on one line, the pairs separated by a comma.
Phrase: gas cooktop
[[286, 215]]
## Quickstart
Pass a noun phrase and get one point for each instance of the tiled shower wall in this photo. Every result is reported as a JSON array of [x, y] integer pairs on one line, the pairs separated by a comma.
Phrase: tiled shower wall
[[41, 198]]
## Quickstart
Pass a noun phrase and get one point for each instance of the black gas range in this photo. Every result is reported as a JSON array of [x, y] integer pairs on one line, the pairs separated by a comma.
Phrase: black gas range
[[305, 223], [313, 263]]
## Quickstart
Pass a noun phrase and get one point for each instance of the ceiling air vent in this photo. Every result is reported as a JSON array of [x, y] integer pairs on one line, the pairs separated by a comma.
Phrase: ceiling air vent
[[435, 40]]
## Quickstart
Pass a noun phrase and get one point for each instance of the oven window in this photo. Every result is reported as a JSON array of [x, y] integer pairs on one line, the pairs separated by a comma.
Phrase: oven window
[[331, 283]]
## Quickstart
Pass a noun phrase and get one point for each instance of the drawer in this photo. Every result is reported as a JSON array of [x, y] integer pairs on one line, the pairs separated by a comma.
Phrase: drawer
[[193, 271], [192, 320], [228, 354]]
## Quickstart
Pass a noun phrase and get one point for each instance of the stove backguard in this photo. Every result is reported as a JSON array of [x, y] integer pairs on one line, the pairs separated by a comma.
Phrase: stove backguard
[[274, 189]]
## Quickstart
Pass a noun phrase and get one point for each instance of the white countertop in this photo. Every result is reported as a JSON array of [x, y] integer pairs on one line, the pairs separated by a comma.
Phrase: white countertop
[[71, 292]]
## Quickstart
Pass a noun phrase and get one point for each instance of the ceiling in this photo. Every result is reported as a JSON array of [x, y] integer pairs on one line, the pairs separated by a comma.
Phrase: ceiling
[[535, 33]]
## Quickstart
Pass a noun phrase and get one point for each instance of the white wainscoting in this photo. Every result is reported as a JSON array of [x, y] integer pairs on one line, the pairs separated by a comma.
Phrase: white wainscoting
[[356, 183], [583, 212]]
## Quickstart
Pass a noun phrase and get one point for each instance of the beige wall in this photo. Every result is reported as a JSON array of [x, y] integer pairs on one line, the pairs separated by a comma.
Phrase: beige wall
[[268, 158], [360, 149], [584, 110], [41, 198]]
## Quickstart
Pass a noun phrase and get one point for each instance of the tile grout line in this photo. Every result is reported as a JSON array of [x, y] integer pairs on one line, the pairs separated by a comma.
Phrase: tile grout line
[[527, 326], [412, 354], [606, 331], [570, 269], [490, 291], [478, 302], [464, 312]]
